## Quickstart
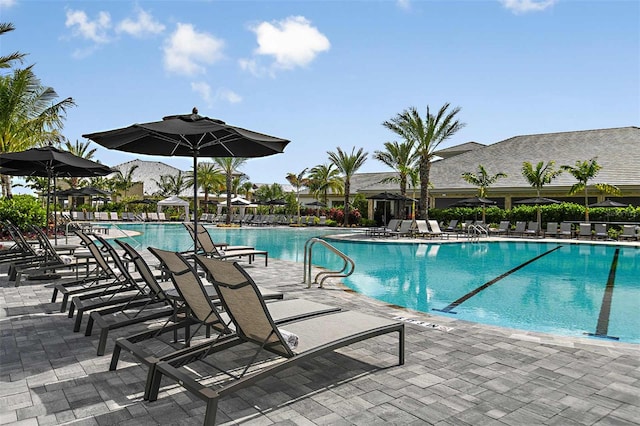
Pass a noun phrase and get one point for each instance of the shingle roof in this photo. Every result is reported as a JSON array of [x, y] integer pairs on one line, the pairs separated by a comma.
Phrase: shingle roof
[[617, 151], [458, 149]]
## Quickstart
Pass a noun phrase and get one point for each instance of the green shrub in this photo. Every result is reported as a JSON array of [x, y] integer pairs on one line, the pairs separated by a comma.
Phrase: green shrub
[[22, 210]]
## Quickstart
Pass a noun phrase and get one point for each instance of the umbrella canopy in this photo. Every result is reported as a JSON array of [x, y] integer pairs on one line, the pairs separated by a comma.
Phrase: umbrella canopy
[[50, 162], [388, 196], [316, 204], [143, 201], [540, 201], [608, 203], [276, 202], [190, 135], [473, 202]]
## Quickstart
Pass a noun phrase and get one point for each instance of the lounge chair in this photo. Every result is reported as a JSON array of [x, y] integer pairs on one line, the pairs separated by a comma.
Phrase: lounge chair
[[114, 216], [102, 279], [254, 325], [237, 251], [601, 231], [552, 229], [585, 231], [628, 233], [452, 226], [421, 228], [41, 267], [435, 230], [162, 217], [202, 311], [502, 229], [405, 229], [21, 252], [205, 244], [532, 229], [565, 230], [519, 229]]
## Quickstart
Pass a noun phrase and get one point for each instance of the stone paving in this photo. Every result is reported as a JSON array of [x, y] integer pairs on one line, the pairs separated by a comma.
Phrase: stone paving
[[456, 373]]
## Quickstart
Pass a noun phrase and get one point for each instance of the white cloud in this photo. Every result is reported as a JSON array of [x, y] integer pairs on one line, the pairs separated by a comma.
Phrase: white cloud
[[143, 24], [229, 96], [404, 4], [187, 51], [292, 42], [6, 4], [203, 89], [83, 27], [524, 6]]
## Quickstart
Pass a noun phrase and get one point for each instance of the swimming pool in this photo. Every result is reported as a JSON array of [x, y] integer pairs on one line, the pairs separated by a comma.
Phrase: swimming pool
[[565, 289]]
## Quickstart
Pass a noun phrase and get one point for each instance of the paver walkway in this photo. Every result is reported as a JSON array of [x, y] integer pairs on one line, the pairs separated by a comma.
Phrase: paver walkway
[[456, 373]]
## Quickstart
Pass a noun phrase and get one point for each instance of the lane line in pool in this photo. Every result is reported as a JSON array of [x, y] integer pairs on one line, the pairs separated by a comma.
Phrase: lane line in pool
[[452, 305], [602, 328]]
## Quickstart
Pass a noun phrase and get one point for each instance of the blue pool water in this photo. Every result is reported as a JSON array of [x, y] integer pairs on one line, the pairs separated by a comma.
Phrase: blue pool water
[[566, 289]]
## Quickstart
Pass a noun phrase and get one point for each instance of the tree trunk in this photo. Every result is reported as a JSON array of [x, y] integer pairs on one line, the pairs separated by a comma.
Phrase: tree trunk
[[403, 192], [425, 168], [347, 188]]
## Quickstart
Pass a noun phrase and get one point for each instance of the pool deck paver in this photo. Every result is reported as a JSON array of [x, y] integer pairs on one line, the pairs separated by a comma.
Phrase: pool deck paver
[[456, 373]]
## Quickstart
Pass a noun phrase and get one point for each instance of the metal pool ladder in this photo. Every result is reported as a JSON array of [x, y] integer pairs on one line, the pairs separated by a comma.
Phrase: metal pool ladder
[[474, 232], [308, 253]]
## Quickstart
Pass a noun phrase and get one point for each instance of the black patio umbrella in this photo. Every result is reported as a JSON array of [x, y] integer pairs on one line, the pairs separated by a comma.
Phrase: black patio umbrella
[[608, 203], [473, 202], [142, 201], [538, 201], [276, 202], [316, 204], [190, 135], [52, 163]]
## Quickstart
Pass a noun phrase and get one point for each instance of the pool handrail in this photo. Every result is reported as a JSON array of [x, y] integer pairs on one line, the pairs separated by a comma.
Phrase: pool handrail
[[308, 253]]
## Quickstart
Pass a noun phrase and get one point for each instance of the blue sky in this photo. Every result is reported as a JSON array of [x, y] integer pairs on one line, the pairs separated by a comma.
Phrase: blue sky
[[328, 73]]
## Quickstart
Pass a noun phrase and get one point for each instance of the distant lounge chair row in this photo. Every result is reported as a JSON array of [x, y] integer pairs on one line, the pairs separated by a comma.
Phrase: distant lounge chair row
[[113, 216]]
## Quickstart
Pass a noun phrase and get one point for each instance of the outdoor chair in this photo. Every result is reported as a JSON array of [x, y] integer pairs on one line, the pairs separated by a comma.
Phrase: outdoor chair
[[203, 311], [552, 229], [21, 252], [519, 229], [405, 229], [601, 231], [97, 282], [628, 233], [114, 216], [206, 244], [452, 226], [41, 267], [565, 230], [585, 231], [532, 229], [435, 230], [502, 229], [254, 325]]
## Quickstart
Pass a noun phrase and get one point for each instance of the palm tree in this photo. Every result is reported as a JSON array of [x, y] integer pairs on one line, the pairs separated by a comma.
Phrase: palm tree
[[210, 179], [426, 136], [401, 157], [538, 177], [298, 181], [584, 171], [124, 181], [81, 150], [269, 192], [483, 181], [28, 116], [247, 189], [229, 165], [348, 165], [324, 178], [6, 60]]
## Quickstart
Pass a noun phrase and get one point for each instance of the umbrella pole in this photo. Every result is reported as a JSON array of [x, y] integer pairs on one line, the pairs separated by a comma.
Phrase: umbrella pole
[[195, 207], [55, 216]]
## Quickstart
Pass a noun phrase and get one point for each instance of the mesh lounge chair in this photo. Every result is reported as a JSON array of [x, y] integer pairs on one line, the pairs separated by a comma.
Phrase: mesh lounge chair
[[206, 244], [629, 233], [585, 231], [405, 229], [255, 326], [532, 229], [452, 226], [552, 229], [601, 231], [204, 312], [502, 229], [435, 229], [565, 230], [519, 229]]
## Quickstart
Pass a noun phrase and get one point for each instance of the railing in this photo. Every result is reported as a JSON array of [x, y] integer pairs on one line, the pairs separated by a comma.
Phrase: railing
[[474, 232], [308, 254]]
